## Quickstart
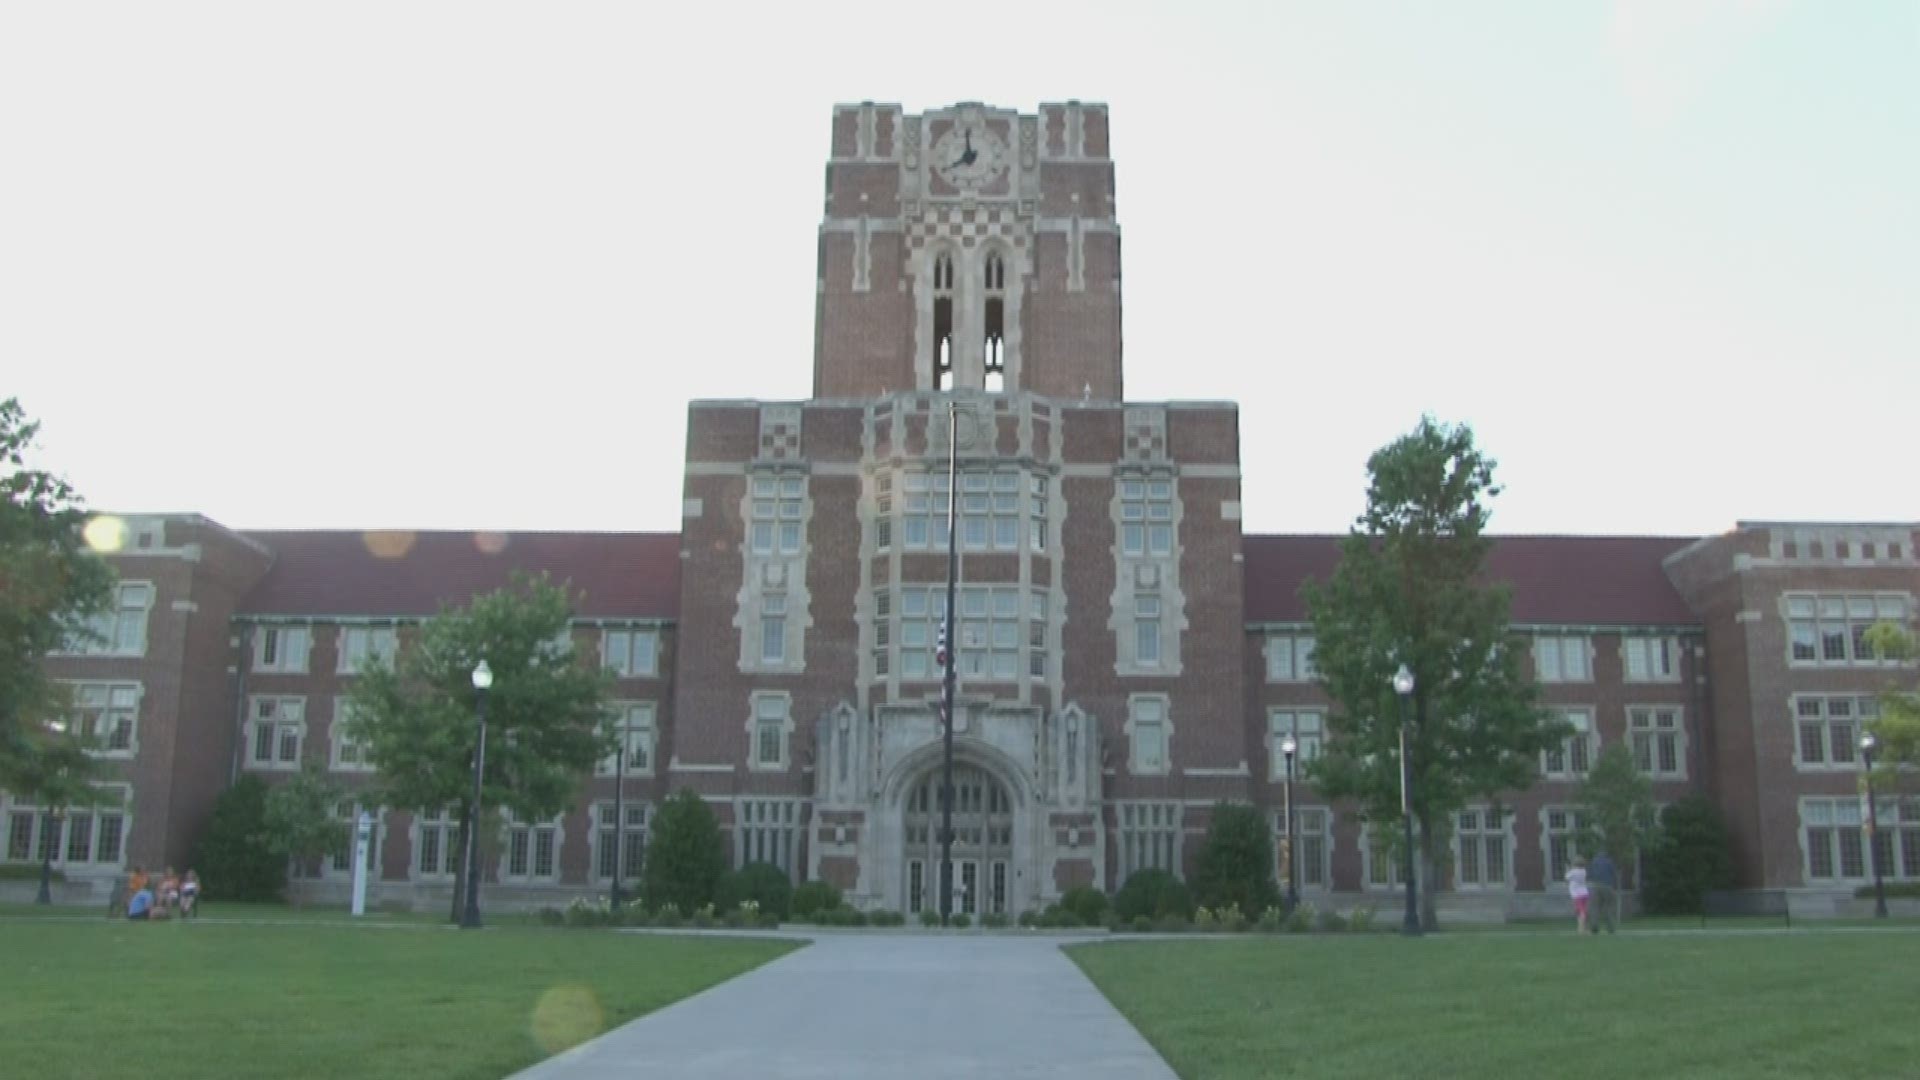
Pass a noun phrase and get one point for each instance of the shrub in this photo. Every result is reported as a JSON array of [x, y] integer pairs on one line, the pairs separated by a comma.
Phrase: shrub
[[552, 916], [1273, 919], [1203, 918], [235, 855], [767, 920], [703, 916], [668, 916], [1030, 918], [1088, 904], [813, 897], [1331, 921], [929, 917], [1155, 894], [962, 920], [634, 913], [740, 918], [760, 883], [884, 917], [1140, 924], [685, 856], [1233, 920], [1687, 859], [1301, 919], [994, 920], [1361, 918], [1896, 890], [588, 911], [1236, 860], [1172, 924]]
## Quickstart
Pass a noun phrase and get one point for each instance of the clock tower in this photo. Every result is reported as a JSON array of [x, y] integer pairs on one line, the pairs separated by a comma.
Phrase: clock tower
[[969, 248]]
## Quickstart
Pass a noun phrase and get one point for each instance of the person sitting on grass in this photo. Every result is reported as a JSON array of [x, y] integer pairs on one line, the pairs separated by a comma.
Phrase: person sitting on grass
[[190, 895], [169, 896], [140, 908]]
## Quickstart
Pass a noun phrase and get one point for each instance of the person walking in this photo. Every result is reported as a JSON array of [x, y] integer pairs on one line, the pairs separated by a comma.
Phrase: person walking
[[1605, 881], [1577, 889]]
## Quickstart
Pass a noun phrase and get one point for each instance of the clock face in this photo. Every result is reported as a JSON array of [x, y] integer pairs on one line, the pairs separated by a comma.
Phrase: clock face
[[969, 155]]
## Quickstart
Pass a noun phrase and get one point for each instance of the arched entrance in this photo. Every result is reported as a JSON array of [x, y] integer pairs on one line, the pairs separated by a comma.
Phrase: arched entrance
[[982, 843]]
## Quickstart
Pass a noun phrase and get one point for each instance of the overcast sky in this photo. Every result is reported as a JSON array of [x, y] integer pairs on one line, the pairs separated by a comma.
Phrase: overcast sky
[[463, 265]]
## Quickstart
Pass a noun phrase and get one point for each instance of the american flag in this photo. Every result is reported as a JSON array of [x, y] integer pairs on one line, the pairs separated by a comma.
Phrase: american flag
[[940, 649]]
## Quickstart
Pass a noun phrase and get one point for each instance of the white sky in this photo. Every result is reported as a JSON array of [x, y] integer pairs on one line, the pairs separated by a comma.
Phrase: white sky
[[463, 265]]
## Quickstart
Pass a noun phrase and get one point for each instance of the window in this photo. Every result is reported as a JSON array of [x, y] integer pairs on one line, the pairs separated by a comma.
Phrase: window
[[1834, 838], [1828, 728], [1149, 837], [1826, 628], [1573, 757], [1480, 848], [1146, 516], [1651, 659], [768, 831], [1380, 851], [436, 844], [279, 724], [632, 653], [348, 811], [774, 526], [1290, 657], [773, 628], [632, 849], [1563, 836], [85, 837], [1312, 829], [1146, 630], [531, 851], [1037, 634], [883, 510], [120, 629], [632, 729], [349, 753], [770, 725], [107, 715], [1561, 658], [358, 644], [1037, 513], [1147, 732], [1308, 728], [1659, 740], [989, 508], [991, 632], [1897, 843], [281, 648]]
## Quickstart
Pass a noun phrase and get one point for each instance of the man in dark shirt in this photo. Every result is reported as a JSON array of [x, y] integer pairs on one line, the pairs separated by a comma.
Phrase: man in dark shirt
[[1604, 880]]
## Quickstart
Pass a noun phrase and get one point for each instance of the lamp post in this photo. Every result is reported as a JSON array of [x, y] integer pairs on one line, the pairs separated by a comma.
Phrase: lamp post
[[1403, 686], [1288, 748], [1868, 744], [619, 813], [482, 682], [48, 838], [950, 646]]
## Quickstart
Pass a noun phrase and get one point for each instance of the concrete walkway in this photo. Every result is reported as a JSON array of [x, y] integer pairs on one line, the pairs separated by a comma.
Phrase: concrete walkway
[[882, 1006]]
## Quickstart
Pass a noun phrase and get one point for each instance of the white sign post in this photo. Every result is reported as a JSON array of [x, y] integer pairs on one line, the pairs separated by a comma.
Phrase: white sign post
[[363, 831]]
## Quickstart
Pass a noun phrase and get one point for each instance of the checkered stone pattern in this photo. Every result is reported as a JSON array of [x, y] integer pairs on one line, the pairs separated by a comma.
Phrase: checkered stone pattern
[[968, 225], [1146, 435], [779, 433]]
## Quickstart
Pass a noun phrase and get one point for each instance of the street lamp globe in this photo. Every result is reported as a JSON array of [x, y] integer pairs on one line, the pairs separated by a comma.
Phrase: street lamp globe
[[482, 676], [1288, 746], [1868, 743], [1403, 681]]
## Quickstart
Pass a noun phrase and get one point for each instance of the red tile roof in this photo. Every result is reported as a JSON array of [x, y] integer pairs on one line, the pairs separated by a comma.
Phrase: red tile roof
[[1556, 580], [403, 573]]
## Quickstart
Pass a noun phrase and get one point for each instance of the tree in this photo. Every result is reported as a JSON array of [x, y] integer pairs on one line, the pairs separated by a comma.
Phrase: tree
[[1409, 589], [235, 856], [1897, 729], [51, 582], [547, 722], [1687, 859], [1235, 868], [1619, 805], [1153, 894], [55, 770], [299, 820], [765, 884], [685, 857]]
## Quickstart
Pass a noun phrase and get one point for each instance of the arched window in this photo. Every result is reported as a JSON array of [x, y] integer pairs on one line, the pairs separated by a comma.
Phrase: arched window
[[994, 323], [943, 321]]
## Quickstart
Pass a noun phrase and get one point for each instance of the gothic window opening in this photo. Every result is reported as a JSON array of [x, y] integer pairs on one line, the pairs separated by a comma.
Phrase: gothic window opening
[[995, 323], [943, 322]]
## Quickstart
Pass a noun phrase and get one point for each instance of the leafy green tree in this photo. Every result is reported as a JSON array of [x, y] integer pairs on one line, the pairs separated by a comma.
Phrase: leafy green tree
[[55, 770], [546, 713], [763, 883], [685, 856], [1153, 894], [50, 583], [235, 857], [1619, 805], [1410, 589], [1235, 868], [299, 819], [1688, 858], [1897, 730]]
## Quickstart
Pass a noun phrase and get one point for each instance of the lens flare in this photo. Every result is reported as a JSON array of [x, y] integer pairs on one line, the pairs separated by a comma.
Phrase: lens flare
[[565, 1016], [490, 543], [388, 544], [106, 534]]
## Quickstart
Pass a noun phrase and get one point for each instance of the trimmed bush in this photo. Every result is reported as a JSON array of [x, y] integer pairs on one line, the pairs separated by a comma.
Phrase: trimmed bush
[[762, 883], [1331, 921], [1088, 904], [1172, 924], [552, 916], [929, 917], [1361, 918], [1272, 920], [813, 897], [1896, 890], [235, 856], [1029, 918], [1300, 919], [685, 856], [1236, 861], [962, 920], [1140, 924], [1687, 859], [1155, 894], [883, 917]]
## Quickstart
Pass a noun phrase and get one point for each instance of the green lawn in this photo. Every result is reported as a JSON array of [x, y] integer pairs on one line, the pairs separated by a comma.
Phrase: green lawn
[[1499, 1005], [101, 998]]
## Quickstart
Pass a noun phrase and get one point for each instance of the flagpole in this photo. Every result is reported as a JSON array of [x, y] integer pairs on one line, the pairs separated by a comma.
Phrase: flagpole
[[946, 676]]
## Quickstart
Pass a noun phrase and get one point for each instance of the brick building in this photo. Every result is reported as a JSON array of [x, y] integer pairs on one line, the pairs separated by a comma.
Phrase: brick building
[[1128, 656]]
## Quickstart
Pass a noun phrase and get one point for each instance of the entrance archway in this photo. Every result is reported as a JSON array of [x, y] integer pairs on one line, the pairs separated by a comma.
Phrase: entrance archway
[[982, 843]]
